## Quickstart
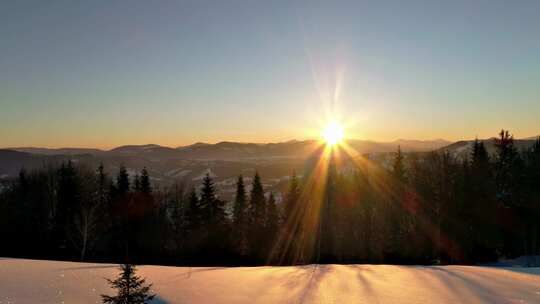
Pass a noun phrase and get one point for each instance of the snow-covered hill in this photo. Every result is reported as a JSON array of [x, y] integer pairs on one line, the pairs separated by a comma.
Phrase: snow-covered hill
[[30, 281]]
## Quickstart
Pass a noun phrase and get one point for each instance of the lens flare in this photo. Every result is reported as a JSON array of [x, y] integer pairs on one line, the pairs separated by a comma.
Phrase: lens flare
[[333, 133]]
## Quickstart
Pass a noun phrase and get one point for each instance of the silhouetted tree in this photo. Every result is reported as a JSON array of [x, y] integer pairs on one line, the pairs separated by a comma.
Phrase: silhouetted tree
[[129, 287], [239, 216], [272, 222], [122, 181], [291, 228], [68, 198], [213, 217], [256, 217], [435, 207], [145, 186]]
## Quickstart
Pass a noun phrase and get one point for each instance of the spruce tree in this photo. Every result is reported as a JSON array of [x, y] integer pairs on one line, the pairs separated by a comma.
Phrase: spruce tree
[[292, 217], [68, 197], [207, 200], [533, 199], [122, 181], [505, 163], [396, 216], [213, 217], [145, 185], [131, 289], [102, 192], [508, 181], [193, 211], [482, 206], [257, 203], [272, 217], [239, 207], [239, 216], [292, 198], [398, 166], [257, 216]]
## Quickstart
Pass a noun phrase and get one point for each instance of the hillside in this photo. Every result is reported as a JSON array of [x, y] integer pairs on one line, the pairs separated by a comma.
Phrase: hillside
[[462, 148], [30, 281]]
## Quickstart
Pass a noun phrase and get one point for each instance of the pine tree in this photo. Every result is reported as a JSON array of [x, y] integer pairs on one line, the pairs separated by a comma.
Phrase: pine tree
[[482, 206], [292, 198], [257, 202], [507, 157], [208, 199], [239, 216], [508, 181], [213, 217], [533, 200], [239, 207], [122, 181], [192, 224], [396, 216], [292, 223], [67, 198], [272, 217], [130, 288], [102, 192], [193, 212], [145, 186], [398, 166], [257, 216]]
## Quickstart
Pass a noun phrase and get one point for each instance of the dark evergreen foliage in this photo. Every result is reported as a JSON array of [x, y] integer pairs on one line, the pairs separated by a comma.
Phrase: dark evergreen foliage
[[239, 217], [426, 208], [130, 288]]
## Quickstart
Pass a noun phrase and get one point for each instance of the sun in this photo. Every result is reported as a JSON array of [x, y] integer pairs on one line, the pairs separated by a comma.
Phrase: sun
[[333, 133]]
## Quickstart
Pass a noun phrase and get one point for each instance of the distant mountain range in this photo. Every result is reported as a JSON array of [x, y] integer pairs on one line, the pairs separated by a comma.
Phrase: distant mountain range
[[235, 150], [224, 161]]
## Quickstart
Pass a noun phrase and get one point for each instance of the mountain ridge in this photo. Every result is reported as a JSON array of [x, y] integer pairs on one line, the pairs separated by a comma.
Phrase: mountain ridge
[[150, 147]]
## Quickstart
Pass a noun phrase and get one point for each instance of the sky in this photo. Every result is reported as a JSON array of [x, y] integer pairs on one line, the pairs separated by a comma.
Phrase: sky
[[108, 73]]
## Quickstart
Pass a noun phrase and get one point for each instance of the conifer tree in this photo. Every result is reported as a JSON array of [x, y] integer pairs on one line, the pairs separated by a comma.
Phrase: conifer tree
[[533, 199], [145, 185], [239, 216], [68, 196], [396, 216], [257, 202], [102, 192], [292, 197], [193, 212], [207, 200], [292, 218], [272, 217], [239, 207], [213, 217], [130, 288], [506, 161], [122, 181], [482, 206], [398, 166], [257, 216]]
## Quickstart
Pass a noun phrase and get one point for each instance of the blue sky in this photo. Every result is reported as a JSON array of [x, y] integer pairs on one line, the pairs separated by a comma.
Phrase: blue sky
[[106, 73]]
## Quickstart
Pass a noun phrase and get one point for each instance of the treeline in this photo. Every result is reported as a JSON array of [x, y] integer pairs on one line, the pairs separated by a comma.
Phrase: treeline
[[425, 208]]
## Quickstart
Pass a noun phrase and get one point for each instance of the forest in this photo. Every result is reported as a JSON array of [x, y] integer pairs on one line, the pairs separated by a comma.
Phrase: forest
[[424, 208]]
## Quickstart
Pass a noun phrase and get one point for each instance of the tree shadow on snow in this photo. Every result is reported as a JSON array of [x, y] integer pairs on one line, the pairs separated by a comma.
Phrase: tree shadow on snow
[[186, 274], [158, 300], [525, 270]]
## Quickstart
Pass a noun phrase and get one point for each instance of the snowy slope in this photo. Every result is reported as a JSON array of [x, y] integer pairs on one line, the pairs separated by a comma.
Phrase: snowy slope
[[29, 281]]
